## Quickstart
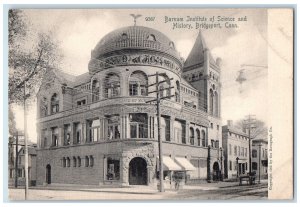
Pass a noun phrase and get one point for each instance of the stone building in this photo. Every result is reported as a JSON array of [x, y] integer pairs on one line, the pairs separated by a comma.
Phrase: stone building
[[236, 151], [97, 129], [260, 157]]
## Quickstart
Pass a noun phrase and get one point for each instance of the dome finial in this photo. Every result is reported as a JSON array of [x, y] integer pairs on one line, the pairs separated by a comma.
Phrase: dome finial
[[135, 16]]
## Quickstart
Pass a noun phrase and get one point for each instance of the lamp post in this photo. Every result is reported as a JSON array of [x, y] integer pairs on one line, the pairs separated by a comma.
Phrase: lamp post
[[221, 159], [237, 167]]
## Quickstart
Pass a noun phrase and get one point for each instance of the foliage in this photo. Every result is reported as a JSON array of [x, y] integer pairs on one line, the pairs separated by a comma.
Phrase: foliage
[[11, 122], [258, 128], [31, 54]]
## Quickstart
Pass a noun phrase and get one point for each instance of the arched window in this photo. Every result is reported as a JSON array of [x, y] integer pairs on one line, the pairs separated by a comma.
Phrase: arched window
[[211, 101], [68, 162], [91, 161], [177, 92], [165, 86], [79, 161], [138, 84], [74, 162], [43, 107], [87, 161], [198, 137], [203, 138], [216, 104], [192, 136], [64, 162], [151, 37], [95, 90], [111, 86], [54, 104]]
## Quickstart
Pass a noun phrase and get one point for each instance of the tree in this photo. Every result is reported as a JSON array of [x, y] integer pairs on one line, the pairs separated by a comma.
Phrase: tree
[[11, 122], [31, 54]]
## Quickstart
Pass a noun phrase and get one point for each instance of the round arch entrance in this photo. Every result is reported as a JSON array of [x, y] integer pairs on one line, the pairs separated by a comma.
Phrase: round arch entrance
[[216, 171], [138, 171], [48, 174]]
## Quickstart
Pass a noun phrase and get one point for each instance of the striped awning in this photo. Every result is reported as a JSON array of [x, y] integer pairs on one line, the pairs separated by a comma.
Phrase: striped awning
[[168, 164], [184, 164]]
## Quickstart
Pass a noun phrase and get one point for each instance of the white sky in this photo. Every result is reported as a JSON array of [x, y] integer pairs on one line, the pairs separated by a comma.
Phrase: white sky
[[78, 31]]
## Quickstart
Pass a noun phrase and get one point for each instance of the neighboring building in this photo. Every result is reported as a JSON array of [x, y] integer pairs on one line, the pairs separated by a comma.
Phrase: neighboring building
[[236, 151], [260, 157], [21, 162], [96, 128]]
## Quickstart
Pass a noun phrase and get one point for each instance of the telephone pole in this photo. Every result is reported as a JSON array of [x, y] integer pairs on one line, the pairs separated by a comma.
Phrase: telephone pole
[[16, 161], [157, 100], [249, 124]]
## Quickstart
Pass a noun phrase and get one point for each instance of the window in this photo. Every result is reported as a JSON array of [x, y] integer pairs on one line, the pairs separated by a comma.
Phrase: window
[[211, 102], [246, 150], [78, 161], [43, 107], [254, 153], [165, 86], [203, 137], [243, 152], [230, 150], [235, 150], [213, 143], [178, 128], [192, 136], [166, 128], [230, 165], [54, 104], [82, 102], [20, 173], [198, 137], [254, 166], [138, 125], [183, 134], [91, 161], [211, 125], [218, 127], [95, 90], [217, 143], [151, 37], [44, 138], [239, 151], [87, 161], [177, 92], [67, 134], [113, 169], [74, 162], [111, 86], [138, 84], [94, 130], [55, 137], [114, 127], [64, 162], [68, 162], [216, 104], [77, 127]]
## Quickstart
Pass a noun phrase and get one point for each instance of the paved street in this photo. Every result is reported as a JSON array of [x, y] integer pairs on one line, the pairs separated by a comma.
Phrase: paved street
[[205, 191]]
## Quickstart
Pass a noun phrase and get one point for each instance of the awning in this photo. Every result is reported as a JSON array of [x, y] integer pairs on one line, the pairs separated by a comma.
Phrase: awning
[[168, 164], [184, 163]]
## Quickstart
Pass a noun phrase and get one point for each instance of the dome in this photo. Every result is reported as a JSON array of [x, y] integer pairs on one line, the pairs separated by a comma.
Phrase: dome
[[135, 37]]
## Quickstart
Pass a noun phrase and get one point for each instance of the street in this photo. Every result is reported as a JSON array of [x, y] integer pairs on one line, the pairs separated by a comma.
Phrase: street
[[206, 191]]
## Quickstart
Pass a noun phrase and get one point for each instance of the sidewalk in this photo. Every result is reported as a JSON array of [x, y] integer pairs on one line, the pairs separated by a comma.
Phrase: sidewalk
[[138, 189]]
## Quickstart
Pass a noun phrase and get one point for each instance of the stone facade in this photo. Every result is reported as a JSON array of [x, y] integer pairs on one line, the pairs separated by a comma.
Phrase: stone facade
[[97, 128]]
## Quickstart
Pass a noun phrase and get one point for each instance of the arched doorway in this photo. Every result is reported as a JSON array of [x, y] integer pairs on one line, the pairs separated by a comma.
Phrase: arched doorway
[[216, 171], [138, 171], [48, 174]]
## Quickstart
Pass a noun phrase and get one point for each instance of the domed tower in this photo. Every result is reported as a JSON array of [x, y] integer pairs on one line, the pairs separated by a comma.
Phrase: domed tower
[[110, 127]]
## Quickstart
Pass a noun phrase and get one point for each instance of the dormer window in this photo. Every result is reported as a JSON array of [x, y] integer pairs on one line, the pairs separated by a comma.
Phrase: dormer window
[[151, 37], [54, 104], [171, 44], [124, 36]]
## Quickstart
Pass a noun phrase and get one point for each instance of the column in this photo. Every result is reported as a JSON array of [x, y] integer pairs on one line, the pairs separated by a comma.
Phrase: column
[[61, 137], [72, 134], [104, 168], [187, 132], [127, 126], [83, 130], [102, 129], [172, 120]]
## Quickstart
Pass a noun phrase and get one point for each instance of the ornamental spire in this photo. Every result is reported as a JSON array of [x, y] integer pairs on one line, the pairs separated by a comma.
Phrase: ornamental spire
[[135, 16]]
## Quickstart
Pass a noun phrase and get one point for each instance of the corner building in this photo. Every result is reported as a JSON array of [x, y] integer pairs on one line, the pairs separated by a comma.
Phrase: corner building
[[97, 129]]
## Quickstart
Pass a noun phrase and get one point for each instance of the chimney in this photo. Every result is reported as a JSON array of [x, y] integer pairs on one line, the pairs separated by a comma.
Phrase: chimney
[[229, 123]]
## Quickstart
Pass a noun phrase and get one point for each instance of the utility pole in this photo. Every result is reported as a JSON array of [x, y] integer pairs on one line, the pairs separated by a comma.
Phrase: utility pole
[[25, 143], [16, 162], [259, 160], [248, 125], [157, 100]]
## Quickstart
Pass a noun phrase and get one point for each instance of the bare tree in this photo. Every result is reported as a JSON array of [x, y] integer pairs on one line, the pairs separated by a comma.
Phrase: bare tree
[[31, 54], [11, 122]]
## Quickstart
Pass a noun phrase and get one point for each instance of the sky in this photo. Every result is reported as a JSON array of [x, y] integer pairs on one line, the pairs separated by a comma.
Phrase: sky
[[245, 47]]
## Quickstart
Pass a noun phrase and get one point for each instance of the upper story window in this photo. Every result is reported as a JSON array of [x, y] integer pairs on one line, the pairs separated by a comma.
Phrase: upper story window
[[67, 134], [43, 107], [198, 137], [151, 37], [138, 84], [111, 86], [192, 136], [177, 92], [211, 102], [54, 104], [254, 153], [203, 137], [114, 127], [94, 130], [164, 88], [138, 125], [81, 102], [55, 137], [95, 90]]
